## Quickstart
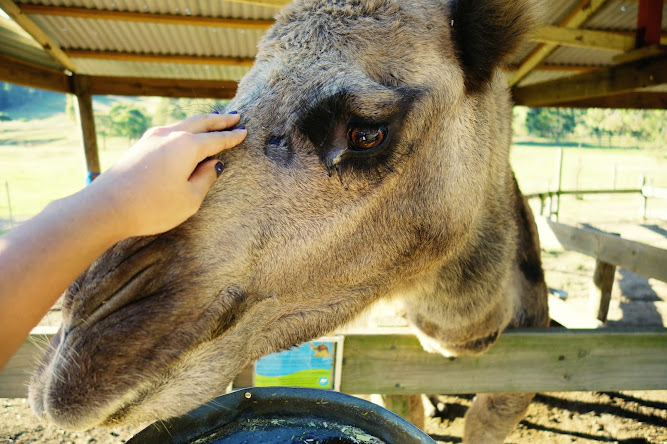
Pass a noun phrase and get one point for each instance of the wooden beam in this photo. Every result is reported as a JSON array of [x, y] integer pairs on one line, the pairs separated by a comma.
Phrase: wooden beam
[[645, 52], [158, 58], [140, 86], [584, 10], [86, 120], [560, 68], [643, 259], [636, 100], [649, 23], [142, 17], [629, 77], [36, 32], [521, 361], [27, 74], [583, 38]]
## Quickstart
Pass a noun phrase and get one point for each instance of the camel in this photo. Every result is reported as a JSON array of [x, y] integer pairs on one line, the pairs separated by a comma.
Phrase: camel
[[376, 166]]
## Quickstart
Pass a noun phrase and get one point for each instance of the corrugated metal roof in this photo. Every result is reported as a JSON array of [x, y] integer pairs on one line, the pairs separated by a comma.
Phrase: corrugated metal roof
[[19, 44], [620, 15], [543, 76], [564, 55], [556, 11], [149, 38], [207, 41], [159, 70], [206, 8]]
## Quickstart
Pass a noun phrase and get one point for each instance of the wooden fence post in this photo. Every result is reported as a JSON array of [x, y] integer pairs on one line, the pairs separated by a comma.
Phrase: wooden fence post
[[600, 293], [644, 196]]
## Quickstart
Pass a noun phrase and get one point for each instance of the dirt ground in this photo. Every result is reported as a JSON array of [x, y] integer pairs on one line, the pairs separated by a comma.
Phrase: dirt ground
[[628, 417]]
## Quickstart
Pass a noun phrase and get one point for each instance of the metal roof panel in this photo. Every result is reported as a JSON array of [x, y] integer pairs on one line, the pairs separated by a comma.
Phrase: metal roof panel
[[206, 8], [149, 38], [117, 68]]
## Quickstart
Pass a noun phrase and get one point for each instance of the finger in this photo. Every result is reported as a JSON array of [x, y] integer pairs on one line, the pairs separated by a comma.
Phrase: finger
[[203, 123], [213, 143], [203, 176]]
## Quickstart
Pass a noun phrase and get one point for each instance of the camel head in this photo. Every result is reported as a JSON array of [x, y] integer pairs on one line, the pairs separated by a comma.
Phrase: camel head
[[378, 138]]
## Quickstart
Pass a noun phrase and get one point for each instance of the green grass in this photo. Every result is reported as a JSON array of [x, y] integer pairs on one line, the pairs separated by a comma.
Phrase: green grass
[[37, 173], [536, 168]]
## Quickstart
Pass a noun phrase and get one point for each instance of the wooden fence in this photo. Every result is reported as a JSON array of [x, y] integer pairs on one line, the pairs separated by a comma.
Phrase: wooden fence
[[551, 199]]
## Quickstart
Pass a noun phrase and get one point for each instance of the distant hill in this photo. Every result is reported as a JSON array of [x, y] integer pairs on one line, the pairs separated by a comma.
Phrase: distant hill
[[20, 102], [23, 103]]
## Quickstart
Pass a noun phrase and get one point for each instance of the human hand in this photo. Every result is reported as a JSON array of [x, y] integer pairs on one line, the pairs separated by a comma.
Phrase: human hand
[[162, 180]]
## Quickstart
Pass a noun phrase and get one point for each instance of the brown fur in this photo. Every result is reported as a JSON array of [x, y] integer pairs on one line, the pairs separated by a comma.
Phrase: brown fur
[[299, 234]]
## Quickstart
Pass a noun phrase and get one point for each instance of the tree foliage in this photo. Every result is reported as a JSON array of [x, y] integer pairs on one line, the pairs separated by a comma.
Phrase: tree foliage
[[128, 120], [602, 125]]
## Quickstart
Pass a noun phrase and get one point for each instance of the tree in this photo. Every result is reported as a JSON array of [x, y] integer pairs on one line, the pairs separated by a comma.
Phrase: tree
[[551, 122], [70, 109], [129, 120], [104, 127]]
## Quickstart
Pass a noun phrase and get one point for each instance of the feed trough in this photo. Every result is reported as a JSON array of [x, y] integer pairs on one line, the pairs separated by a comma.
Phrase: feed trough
[[277, 415]]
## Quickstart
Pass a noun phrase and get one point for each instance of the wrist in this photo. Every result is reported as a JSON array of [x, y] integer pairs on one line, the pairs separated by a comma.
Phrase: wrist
[[99, 211]]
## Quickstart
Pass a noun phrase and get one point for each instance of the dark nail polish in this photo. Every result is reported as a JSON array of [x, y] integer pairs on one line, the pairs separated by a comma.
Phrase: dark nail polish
[[233, 112], [216, 112], [240, 127], [219, 167]]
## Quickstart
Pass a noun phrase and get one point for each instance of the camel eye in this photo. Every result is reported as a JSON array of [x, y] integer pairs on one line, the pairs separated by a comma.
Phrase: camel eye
[[366, 138]]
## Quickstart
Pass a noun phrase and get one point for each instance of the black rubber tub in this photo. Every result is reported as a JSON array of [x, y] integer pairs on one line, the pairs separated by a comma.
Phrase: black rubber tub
[[276, 415]]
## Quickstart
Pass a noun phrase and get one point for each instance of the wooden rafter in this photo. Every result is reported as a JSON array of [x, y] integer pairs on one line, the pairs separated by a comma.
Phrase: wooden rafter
[[159, 58], [584, 38], [140, 86], [636, 100], [577, 18], [28, 74], [142, 17], [636, 76], [37, 33]]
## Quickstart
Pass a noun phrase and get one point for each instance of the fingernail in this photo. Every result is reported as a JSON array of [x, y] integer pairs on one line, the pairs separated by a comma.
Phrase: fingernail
[[216, 112], [240, 127], [219, 167], [233, 112]]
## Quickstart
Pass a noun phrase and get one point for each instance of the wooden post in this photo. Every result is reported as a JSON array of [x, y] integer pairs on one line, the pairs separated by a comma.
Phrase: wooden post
[[649, 23], [561, 154], [600, 295], [86, 120], [409, 407], [644, 196]]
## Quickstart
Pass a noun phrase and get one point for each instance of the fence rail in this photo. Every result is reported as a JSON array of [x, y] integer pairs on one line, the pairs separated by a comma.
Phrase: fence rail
[[646, 192], [522, 361]]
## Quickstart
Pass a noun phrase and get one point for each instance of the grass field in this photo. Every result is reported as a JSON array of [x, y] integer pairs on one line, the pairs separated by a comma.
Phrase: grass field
[[41, 160]]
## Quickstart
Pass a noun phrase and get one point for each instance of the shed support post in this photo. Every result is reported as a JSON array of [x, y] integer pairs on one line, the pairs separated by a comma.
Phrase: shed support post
[[86, 120], [649, 23]]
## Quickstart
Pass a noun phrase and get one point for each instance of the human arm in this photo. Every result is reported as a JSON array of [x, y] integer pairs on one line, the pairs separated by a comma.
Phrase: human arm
[[158, 184]]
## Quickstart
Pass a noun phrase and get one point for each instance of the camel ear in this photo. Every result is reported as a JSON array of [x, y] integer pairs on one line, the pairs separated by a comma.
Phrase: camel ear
[[487, 32]]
